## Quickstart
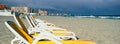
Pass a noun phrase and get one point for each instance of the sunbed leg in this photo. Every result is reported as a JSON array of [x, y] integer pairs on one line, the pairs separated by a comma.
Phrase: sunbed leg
[[75, 38], [20, 42], [12, 42]]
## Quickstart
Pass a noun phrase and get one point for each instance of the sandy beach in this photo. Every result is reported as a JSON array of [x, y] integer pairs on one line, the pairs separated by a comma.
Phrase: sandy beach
[[102, 31]]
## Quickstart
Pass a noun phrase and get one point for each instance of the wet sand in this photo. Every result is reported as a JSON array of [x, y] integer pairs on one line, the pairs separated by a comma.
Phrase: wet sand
[[102, 31]]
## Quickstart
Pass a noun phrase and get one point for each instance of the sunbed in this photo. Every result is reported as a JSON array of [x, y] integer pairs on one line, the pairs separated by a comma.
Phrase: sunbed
[[25, 38]]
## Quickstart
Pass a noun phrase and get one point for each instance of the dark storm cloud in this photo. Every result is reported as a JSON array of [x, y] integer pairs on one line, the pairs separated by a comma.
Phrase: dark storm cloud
[[71, 5], [66, 3]]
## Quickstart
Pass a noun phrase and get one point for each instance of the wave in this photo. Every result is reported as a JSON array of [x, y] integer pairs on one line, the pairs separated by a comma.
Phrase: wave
[[101, 17], [85, 16]]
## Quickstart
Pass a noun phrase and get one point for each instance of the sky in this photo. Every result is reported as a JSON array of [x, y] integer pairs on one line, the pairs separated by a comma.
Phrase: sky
[[104, 7]]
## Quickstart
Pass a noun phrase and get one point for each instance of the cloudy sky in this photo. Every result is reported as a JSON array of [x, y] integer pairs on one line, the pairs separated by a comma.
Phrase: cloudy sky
[[81, 6]]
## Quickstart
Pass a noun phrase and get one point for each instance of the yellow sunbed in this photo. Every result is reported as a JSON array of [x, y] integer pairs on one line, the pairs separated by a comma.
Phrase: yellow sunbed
[[27, 39]]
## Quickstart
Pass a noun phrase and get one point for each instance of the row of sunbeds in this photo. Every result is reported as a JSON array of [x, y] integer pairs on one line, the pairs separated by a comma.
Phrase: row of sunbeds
[[41, 32]]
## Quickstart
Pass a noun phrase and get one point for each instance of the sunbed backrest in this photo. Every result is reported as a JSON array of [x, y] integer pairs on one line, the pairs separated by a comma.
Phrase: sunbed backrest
[[19, 32], [34, 16], [32, 20], [29, 21], [19, 22]]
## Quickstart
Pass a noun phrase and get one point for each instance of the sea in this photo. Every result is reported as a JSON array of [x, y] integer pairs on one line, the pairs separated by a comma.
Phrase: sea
[[116, 17]]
